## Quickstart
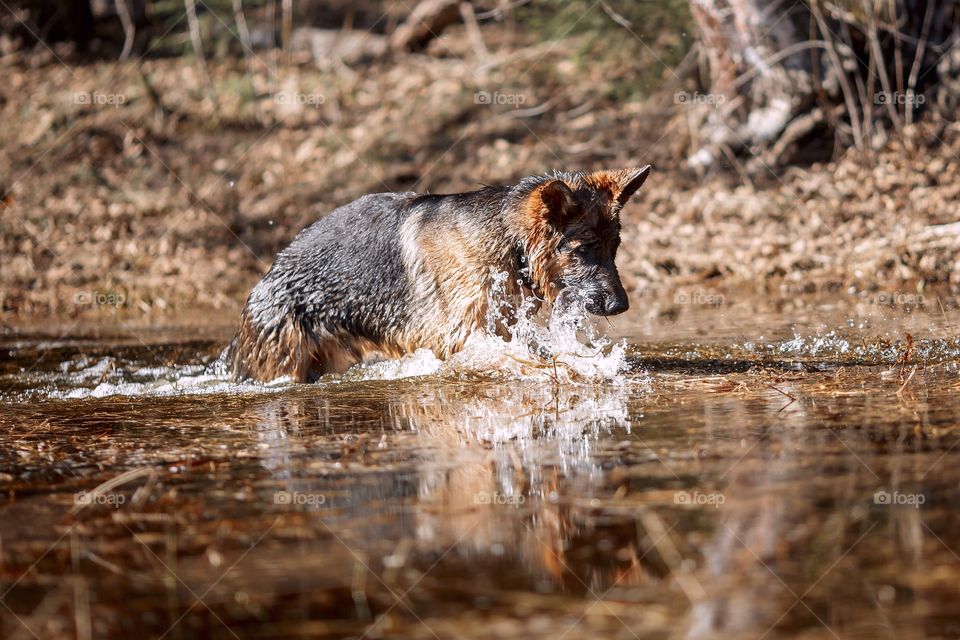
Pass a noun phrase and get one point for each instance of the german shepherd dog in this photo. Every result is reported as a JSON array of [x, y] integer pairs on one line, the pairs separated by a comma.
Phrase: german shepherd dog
[[393, 272]]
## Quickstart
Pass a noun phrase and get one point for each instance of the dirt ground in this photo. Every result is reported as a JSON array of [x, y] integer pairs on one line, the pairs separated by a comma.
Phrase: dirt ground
[[139, 189]]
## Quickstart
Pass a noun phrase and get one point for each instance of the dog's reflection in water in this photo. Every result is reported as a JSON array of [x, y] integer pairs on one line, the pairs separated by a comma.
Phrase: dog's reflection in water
[[504, 472]]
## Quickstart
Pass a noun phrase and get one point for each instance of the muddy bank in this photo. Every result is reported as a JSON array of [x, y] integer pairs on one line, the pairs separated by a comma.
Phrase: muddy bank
[[137, 188]]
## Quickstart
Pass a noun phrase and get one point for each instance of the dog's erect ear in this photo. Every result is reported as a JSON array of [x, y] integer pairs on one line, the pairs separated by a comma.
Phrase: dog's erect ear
[[628, 181], [559, 201]]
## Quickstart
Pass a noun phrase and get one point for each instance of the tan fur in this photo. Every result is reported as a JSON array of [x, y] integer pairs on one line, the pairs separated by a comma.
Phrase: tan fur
[[259, 359], [452, 276], [294, 355]]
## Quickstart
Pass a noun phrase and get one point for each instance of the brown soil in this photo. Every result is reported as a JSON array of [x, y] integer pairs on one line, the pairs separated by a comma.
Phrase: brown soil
[[152, 195]]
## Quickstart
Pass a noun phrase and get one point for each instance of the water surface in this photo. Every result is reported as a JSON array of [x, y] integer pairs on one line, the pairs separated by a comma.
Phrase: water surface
[[760, 468]]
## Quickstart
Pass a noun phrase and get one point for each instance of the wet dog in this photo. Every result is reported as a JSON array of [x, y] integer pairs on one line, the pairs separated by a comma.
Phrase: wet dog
[[393, 272]]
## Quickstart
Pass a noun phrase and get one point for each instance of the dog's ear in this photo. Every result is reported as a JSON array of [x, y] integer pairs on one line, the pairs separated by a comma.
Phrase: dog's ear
[[628, 181], [559, 201]]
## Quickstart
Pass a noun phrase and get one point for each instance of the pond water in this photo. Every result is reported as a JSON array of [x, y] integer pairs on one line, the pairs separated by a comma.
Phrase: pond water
[[737, 466]]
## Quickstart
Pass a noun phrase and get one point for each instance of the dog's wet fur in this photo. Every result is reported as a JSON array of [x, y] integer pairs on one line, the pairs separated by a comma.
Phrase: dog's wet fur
[[393, 272]]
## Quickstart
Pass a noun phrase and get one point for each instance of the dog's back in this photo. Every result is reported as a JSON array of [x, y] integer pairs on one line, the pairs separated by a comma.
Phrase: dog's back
[[344, 271]]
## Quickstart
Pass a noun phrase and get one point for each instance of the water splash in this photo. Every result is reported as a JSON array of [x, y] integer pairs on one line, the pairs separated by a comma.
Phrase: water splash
[[563, 347], [846, 347], [174, 381], [84, 377], [519, 343]]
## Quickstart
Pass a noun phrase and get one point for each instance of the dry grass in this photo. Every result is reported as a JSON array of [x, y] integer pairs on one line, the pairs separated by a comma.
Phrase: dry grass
[[174, 201]]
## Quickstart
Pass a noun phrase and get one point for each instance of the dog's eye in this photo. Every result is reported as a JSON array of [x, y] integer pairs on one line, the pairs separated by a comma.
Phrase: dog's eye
[[584, 249]]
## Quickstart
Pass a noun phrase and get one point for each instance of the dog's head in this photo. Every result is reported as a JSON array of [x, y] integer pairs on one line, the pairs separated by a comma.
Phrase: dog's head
[[571, 236]]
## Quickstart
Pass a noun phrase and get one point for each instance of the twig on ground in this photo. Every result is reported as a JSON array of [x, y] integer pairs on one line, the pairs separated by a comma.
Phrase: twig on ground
[[129, 29], [196, 41], [917, 61], [473, 31]]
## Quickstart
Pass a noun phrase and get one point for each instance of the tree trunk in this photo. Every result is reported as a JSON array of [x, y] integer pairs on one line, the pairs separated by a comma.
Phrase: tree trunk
[[847, 68]]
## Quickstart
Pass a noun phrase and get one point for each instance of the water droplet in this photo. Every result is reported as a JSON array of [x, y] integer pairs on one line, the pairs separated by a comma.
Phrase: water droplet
[[886, 594]]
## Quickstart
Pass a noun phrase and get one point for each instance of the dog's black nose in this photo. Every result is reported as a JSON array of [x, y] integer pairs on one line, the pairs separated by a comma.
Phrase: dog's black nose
[[607, 303], [615, 304]]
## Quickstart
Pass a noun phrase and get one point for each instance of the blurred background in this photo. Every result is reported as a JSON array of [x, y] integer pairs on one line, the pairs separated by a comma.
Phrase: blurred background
[[156, 154]]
